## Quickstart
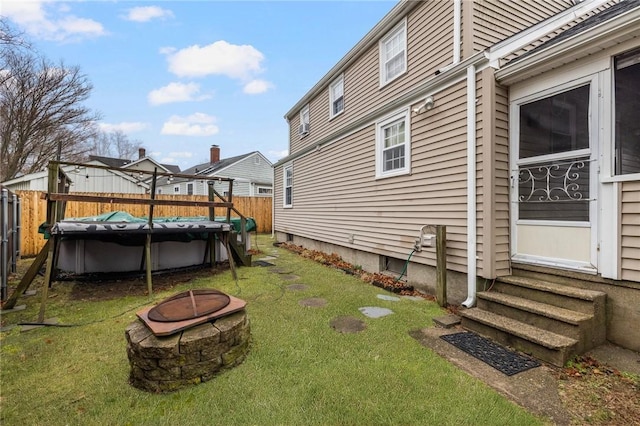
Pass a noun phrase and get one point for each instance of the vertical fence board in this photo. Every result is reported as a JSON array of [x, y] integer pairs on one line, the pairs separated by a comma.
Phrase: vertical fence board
[[34, 212]]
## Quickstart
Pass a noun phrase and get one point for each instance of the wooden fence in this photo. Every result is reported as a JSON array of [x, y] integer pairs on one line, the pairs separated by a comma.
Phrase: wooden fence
[[34, 212]]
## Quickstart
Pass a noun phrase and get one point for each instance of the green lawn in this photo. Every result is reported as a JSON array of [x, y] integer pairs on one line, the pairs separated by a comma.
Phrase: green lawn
[[299, 371]]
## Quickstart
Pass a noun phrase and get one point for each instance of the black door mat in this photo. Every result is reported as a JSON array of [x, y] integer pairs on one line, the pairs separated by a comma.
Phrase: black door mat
[[262, 263], [502, 359]]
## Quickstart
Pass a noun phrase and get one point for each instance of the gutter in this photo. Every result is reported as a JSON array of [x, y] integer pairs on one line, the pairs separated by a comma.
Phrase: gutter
[[580, 44], [471, 187]]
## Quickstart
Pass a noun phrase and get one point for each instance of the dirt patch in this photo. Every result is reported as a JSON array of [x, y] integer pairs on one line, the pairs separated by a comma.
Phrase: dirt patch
[[596, 394], [314, 302]]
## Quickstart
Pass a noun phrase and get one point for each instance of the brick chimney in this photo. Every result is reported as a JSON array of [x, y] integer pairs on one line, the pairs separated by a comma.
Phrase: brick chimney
[[141, 153], [215, 154]]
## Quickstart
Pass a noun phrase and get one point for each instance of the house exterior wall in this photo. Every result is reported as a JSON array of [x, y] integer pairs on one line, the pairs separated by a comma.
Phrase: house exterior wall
[[429, 40], [630, 231], [85, 179], [492, 21]]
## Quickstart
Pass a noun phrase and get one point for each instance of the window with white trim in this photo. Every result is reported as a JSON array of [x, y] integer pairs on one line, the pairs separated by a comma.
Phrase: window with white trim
[[627, 105], [287, 175], [393, 54], [304, 128], [190, 188], [336, 97], [176, 189], [263, 190], [393, 150]]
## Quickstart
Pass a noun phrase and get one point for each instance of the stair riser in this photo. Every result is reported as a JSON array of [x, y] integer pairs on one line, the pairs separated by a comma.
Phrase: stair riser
[[556, 357], [559, 300], [579, 332]]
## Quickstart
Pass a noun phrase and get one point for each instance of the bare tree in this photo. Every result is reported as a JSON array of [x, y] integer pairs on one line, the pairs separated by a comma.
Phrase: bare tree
[[115, 144], [41, 113]]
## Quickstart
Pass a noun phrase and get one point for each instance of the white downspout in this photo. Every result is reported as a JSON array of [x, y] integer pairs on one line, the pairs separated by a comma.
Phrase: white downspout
[[471, 187], [273, 204], [457, 29]]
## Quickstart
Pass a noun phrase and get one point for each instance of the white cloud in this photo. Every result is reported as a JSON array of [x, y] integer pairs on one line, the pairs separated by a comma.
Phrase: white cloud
[[255, 87], [147, 13], [279, 154], [183, 154], [198, 124], [126, 127], [50, 21], [219, 58], [176, 92]]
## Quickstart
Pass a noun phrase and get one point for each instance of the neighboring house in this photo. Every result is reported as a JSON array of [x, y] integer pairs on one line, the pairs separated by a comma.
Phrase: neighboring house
[[252, 175], [91, 179], [515, 124]]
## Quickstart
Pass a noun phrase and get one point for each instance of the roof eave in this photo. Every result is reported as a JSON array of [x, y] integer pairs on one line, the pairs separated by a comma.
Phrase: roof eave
[[623, 26]]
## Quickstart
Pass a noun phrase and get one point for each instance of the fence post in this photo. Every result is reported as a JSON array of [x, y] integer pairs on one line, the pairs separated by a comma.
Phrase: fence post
[[4, 242], [441, 265], [16, 234]]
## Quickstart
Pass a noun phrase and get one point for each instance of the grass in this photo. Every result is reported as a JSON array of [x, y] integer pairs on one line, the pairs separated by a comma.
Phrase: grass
[[299, 370]]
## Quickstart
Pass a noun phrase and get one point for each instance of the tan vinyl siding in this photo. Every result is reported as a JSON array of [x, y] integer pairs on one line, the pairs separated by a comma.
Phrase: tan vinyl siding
[[429, 48], [630, 235], [336, 195], [496, 20], [501, 183]]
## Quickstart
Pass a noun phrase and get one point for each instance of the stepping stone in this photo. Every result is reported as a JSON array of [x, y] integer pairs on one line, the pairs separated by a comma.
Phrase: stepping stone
[[14, 309], [297, 287], [281, 270], [267, 258], [447, 321], [389, 298], [290, 277], [375, 312], [347, 324], [314, 302], [51, 321]]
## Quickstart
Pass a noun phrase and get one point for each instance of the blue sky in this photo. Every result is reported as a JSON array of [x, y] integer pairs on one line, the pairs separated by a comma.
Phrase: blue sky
[[180, 76]]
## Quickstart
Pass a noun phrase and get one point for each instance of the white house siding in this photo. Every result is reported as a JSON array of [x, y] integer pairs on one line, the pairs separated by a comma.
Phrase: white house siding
[[630, 231], [429, 48], [496, 20], [101, 180]]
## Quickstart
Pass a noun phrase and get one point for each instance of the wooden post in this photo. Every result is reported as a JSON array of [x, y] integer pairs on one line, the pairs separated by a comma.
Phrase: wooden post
[[441, 265], [29, 276], [232, 265], [147, 245], [47, 276]]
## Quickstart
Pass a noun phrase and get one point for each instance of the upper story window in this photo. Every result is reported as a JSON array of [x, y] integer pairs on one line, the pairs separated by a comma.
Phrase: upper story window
[[304, 128], [287, 182], [176, 189], [190, 188], [393, 54], [393, 147], [627, 105], [336, 97]]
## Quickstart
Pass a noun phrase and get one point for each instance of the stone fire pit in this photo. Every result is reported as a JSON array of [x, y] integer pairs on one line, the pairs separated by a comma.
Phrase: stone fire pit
[[188, 357]]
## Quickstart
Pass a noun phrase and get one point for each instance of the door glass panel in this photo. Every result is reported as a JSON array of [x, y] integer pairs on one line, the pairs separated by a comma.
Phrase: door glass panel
[[554, 190], [555, 124]]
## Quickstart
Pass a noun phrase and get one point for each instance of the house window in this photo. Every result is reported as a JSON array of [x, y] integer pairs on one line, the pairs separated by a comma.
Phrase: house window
[[256, 160], [288, 187], [393, 153], [264, 190], [393, 54], [176, 189], [553, 165], [336, 97], [304, 128], [190, 189], [627, 105]]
